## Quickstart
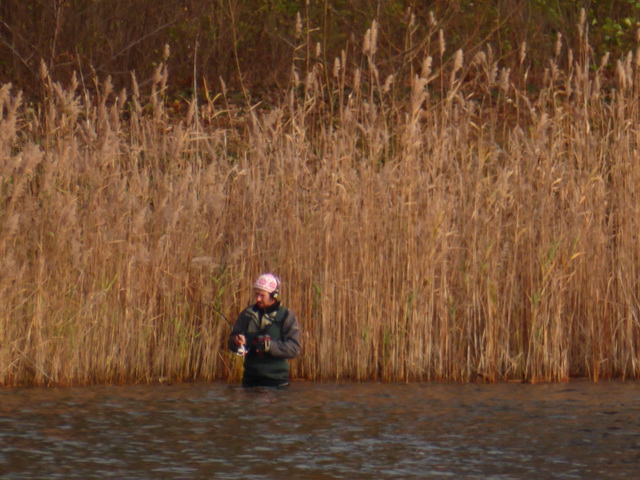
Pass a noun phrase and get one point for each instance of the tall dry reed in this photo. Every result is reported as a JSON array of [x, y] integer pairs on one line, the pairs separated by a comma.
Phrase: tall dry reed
[[446, 223]]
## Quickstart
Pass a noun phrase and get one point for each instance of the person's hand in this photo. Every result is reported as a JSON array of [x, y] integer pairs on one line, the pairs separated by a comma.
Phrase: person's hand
[[262, 344], [239, 340]]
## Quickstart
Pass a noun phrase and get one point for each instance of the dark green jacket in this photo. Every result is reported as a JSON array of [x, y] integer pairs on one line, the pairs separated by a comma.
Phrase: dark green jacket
[[268, 368]]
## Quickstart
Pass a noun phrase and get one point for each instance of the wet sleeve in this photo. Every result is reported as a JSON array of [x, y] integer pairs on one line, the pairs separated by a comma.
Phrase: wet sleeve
[[289, 346]]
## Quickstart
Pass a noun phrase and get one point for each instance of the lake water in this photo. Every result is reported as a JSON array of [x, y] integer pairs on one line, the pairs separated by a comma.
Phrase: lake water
[[575, 430]]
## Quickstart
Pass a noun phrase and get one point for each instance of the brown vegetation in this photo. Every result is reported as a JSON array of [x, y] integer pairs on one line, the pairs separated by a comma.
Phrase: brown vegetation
[[445, 223]]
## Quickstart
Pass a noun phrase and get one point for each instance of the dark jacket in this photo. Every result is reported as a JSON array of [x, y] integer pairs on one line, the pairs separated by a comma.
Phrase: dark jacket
[[267, 368]]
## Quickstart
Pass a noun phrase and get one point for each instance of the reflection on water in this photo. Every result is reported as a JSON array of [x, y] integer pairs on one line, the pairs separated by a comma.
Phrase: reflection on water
[[323, 431]]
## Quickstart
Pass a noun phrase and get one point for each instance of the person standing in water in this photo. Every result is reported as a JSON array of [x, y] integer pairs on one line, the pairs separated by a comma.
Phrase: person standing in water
[[267, 334]]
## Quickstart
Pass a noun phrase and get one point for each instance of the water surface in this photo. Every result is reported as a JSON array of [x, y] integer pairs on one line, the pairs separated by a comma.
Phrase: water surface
[[576, 430]]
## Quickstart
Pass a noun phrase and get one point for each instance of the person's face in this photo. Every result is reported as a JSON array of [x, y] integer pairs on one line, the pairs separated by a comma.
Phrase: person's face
[[263, 299]]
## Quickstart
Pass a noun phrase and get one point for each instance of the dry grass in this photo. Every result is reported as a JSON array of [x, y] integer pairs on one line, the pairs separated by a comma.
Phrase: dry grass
[[466, 229]]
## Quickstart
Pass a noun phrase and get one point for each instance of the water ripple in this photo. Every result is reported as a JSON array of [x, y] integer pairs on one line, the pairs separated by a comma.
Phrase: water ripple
[[317, 431]]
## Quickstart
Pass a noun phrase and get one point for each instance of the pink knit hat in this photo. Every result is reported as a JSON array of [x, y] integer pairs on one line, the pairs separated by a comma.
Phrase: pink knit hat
[[268, 282]]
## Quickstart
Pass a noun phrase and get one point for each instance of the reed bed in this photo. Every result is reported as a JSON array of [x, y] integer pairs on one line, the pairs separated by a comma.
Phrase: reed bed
[[443, 224]]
